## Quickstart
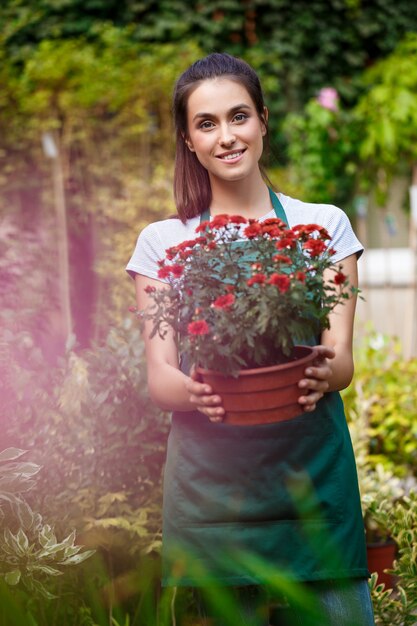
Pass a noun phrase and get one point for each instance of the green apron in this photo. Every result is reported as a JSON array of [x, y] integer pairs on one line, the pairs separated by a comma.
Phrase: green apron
[[242, 502]]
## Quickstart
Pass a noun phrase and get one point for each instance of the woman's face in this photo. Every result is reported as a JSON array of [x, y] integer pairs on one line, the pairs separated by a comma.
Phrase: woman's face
[[224, 129]]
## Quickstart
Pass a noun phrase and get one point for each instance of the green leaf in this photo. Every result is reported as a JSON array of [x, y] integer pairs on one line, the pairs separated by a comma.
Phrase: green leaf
[[13, 577]]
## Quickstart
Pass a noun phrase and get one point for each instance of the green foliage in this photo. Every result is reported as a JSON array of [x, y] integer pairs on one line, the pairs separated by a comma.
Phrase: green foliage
[[384, 395], [322, 147], [99, 438], [387, 112], [29, 550], [398, 608]]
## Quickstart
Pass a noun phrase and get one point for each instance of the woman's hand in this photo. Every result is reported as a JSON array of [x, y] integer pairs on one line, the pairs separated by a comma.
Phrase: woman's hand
[[316, 383], [201, 395]]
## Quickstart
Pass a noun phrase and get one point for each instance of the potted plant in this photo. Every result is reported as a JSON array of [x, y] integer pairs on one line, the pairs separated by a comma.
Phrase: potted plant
[[241, 296]]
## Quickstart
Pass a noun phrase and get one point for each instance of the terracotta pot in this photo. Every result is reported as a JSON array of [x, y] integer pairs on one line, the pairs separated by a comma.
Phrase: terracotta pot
[[262, 395], [381, 557]]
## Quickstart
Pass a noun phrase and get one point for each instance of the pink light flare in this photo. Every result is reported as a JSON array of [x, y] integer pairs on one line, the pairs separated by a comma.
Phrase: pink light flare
[[328, 98]]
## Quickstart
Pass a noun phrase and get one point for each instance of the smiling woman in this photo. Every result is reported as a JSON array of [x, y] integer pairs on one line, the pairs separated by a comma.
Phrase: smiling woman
[[284, 492], [225, 132]]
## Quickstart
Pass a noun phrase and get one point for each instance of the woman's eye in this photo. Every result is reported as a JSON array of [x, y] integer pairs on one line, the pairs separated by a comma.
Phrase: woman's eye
[[206, 125], [240, 117]]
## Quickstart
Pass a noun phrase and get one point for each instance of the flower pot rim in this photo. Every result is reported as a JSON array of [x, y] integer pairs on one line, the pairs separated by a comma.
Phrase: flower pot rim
[[264, 370]]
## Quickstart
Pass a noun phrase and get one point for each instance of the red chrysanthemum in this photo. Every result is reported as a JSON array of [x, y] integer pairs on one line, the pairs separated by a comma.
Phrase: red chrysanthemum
[[238, 219], [282, 281], [253, 230], [301, 276], [273, 221], [285, 243], [281, 258], [219, 221], [256, 279], [224, 302], [339, 278], [177, 270], [203, 226], [314, 246], [164, 271], [199, 327]]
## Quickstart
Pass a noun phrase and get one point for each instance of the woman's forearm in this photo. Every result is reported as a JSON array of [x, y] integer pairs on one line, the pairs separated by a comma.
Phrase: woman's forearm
[[167, 388], [342, 369]]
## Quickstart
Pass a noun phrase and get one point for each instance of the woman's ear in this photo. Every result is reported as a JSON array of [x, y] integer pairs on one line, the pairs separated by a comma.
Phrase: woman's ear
[[187, 142]]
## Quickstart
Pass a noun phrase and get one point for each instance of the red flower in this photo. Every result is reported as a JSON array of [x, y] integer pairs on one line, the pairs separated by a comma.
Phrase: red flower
[[256, 279], [314, 246], [271, 229], [285, 242], [164, 272], [212, 245], [301, 276], [281, 258], [177, 270], [273, 221], [203, 226], [219, 221], [282, 281], [184, 254], [224, 302], [238, 219], [253, 230], [339, 278], [150, 289], [199, 327]]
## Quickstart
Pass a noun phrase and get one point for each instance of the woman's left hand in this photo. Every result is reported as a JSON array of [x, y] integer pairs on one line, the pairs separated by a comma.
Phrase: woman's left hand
[[317, 375]]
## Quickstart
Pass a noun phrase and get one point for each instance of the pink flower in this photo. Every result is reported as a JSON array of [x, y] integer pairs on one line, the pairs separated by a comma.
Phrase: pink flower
[[199, 327], [328, 98], [224, 302]]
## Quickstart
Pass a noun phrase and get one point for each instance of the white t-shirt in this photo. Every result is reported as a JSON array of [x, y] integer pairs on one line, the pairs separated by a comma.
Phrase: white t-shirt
[[157, 237]]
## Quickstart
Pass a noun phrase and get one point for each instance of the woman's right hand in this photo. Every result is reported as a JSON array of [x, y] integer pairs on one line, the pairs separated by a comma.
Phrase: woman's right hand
[[202, 396]]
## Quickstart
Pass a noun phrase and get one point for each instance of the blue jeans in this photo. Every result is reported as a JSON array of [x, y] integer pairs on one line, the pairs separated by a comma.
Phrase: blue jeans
[[331, 603]]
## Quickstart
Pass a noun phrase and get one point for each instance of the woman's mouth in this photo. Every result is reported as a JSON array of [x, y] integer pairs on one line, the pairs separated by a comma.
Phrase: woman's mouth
[[231, 156]]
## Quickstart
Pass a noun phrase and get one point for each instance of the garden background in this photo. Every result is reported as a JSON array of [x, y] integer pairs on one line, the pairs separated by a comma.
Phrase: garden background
[[86, 160]]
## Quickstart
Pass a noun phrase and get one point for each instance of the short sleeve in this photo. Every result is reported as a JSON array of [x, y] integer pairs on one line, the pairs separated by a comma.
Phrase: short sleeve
[[344, 240], [148, 251]]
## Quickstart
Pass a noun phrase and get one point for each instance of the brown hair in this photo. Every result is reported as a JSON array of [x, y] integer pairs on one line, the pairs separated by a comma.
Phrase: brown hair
[[192, 190]]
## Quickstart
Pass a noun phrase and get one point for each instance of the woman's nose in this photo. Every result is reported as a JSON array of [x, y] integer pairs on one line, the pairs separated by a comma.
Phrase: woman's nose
[[226, 137]]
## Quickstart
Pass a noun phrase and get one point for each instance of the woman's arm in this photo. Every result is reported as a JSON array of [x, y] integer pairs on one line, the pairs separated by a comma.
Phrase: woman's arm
[[168, 386], [333, 368]]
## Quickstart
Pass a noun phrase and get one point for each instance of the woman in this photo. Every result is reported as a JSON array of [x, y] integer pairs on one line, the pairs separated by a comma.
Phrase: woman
[[229, 492]]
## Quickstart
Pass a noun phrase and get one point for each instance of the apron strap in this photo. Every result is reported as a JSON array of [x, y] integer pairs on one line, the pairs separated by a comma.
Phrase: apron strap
[[278, 208]]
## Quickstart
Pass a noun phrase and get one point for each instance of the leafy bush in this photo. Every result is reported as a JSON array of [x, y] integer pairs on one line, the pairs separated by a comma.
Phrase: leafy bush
[[29, 550], [399, 607], [384, 395], [99, 438]]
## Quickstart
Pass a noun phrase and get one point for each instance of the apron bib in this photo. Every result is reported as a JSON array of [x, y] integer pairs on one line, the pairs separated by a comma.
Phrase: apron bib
[[284, 495]]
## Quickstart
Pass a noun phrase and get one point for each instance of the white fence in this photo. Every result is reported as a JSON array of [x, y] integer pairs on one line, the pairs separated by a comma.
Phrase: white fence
[[387, 278]]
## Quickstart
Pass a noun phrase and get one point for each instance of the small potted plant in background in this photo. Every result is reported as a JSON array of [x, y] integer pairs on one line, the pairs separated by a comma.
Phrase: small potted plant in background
[[241, 297]]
